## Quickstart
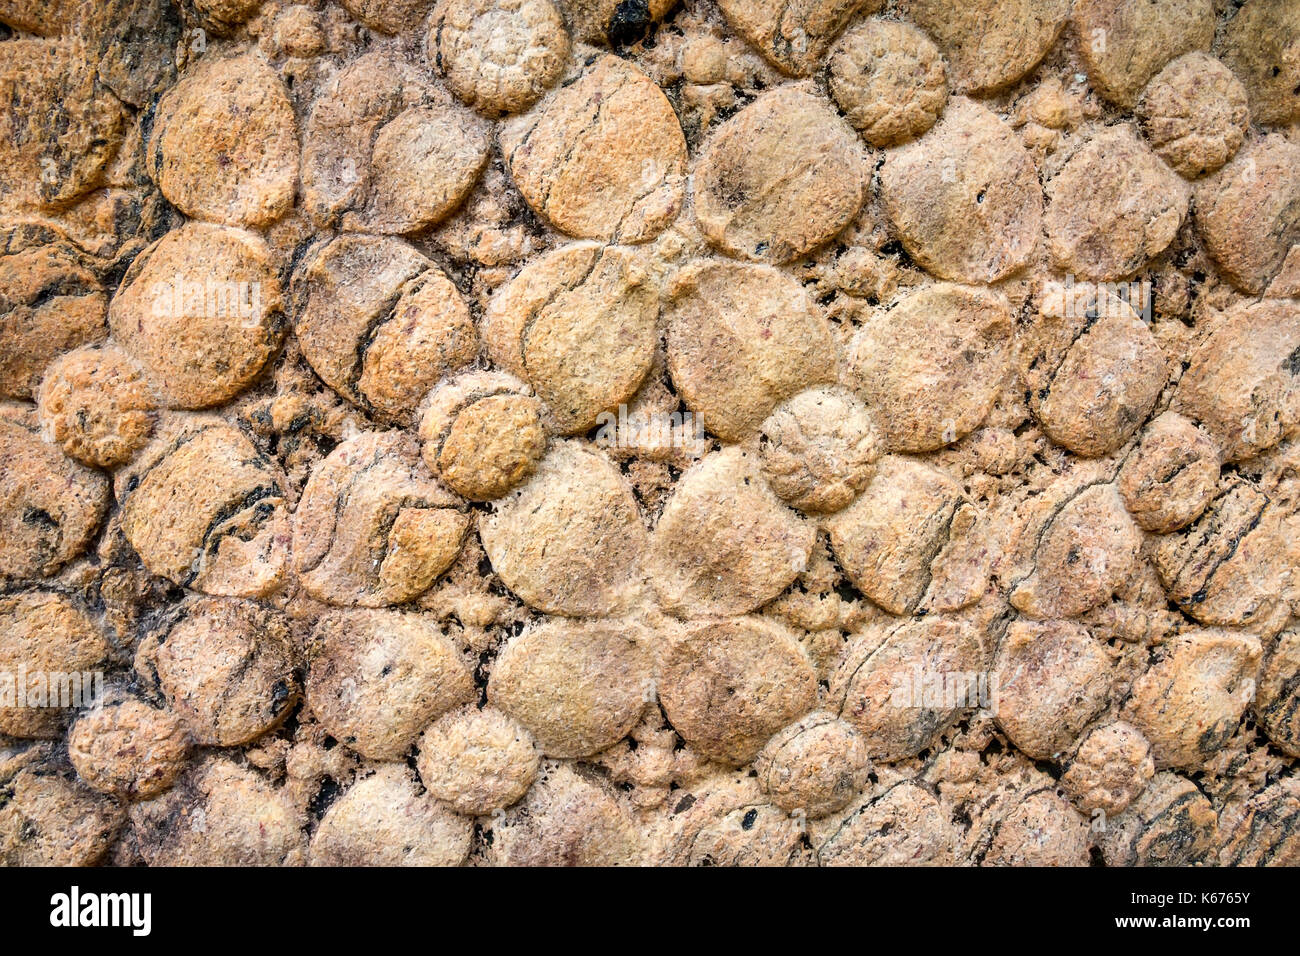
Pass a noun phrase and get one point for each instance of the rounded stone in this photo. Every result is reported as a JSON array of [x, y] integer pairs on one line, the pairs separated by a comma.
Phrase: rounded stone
[[50, 506], [64, 125], [376, 679], [965, 199], [482, 433], [819, 449], [499, 56], [373, 526], [1170, 824], [204, 509], [579, 687], [1259, 44], [1093, 370], [725, 544], [387, 16], [741, 338], [1230, 566], [568, 818], [615, 173], [477, 760], [223, 144], [229, 670], [1053, 679], [818, 764], [386, 151], [95, 402], [903, 685], [1086, 550], [380, 323], [1110, 768], [1248, 212], [1170, 477], [35, 325], [1265, 831], [580, 325], [913, 541], [49, 818], [220, 813], [1040, 829], [931, 367], [569, 540], [889, 79], [1194, 114], [46, 634], [386, 820], [725, 821], [200, 310], [1112, 207], [729, 685], [1242, 384], [1189, 703], [1126, 42], [129, 750], [779, 178], [904, 826]]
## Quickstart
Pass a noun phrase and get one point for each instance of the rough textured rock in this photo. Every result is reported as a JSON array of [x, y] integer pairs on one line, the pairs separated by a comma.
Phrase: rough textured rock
[[615, 174], [889, 79], [779, 178], [1112, 207], [965, 199], [623, 432]]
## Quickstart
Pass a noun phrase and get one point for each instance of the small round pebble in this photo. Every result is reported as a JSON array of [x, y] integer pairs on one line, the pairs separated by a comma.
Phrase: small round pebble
[[95, 402], [1111, 767], [376, 679], [1126, 42], [819, 449], [1112, 207], [741, 338], [1170, 477], [1194, 114], [200, 310], [889, 79], [729, 685], [725, 543], [380, 323], [779, 178], [482, 434], [901, 685], [615, 173], [569, 540], [579, 687], [579, 324], [477, 760], [229, 670], [373, 526], [818, 765], [931, 367], [205, 509], [129, 750], [965, 199], [499, 56], [223, 144], [50, 506]]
